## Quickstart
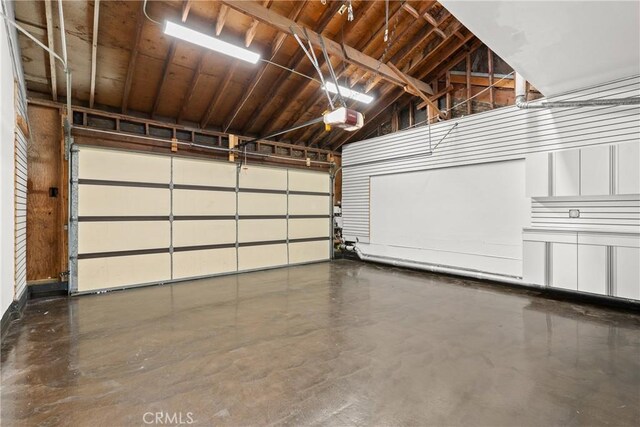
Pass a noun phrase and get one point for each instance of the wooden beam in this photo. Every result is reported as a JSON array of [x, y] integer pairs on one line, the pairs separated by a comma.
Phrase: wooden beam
[[132, 61], [325, 20], [437, 96], [195, 78], [222, 18], [251, 31], [186, 8], [51, 45], [415, 89], [450, 58], [94, 51], [426, 16], [344, 52], [484, 81], [492, 93], [468, 78], [277, 44], [173, 46]]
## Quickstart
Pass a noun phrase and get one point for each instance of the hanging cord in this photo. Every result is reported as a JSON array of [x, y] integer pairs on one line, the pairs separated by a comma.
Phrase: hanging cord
[[388, 41], [144, 9], [386, 20]]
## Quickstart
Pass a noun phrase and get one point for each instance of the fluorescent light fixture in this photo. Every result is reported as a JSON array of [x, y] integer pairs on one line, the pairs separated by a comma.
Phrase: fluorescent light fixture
[[195, 37], [348, 93]]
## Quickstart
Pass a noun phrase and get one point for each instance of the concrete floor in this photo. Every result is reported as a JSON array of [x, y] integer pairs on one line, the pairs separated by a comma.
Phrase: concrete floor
[[340, 343]]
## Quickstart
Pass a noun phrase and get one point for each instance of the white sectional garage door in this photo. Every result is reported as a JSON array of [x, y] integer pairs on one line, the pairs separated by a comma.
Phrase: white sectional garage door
[[146, 219]]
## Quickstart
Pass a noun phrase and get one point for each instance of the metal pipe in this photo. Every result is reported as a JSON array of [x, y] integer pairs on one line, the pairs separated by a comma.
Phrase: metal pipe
[[434, 268], [521, 100]]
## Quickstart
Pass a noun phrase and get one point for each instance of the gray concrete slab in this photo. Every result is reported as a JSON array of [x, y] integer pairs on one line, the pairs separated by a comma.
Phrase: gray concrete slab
[[342, 343]]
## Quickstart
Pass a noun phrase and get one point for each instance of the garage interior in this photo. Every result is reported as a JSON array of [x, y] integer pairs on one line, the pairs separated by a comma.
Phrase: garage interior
[[320, 212]]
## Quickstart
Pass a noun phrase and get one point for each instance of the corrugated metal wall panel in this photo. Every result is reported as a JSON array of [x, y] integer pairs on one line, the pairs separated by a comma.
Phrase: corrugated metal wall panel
[[503, 134], [20, 213]]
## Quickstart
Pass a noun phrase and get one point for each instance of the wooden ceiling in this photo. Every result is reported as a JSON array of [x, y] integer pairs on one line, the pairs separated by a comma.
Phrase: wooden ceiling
[[128, 65]]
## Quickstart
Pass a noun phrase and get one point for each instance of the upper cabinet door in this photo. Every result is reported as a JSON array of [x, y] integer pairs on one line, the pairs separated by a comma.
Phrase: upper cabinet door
[[567, 173], [595, 171], [628, 168], [537, 175]]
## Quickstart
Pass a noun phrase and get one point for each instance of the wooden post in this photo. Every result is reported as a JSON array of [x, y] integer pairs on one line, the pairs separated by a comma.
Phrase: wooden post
[[448, 96], [233, 142], [468, 83], [492, 93]]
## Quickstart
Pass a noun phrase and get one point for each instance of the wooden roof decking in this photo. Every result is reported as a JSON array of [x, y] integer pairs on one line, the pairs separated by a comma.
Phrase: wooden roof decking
[[140, 71]]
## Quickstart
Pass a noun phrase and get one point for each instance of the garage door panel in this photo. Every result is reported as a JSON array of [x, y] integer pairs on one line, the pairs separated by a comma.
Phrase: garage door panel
[[111, 272], [260, 230], [263, 256], [113, 236], [302, 228], [197, 202], [263, 178], [204, 172], [300, 252], [101, 164], [108, 200], [204, 232], [203, 263], [308, 205], [309, 181], [262, 204]]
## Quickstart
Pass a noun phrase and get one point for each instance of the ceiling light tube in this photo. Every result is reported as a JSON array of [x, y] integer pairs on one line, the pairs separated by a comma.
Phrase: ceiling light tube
[[195, 37], [349, 93]]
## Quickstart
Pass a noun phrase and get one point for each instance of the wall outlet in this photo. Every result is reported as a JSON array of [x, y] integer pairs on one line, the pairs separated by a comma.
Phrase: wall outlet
[[574, 213]]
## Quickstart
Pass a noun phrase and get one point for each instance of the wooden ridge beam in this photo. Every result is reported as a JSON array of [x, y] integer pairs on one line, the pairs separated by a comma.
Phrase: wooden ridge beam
[[51, 46], [132, 61], [344, 52], [278, 43]]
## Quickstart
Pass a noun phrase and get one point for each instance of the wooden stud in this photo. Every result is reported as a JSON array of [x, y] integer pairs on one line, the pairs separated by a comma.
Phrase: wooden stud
[[492, 94], [94, 51], [174, 145], [233, 142], [468, 75]]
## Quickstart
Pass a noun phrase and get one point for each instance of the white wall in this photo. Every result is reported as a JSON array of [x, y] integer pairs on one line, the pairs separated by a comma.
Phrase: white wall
[[381, 221], [465, 216], [561, 45], [7, 135]]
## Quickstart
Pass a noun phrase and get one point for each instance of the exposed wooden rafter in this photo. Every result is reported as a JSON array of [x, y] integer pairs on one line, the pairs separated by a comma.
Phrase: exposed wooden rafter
[[275, 48], [220, 92], [424, 97], [251, 31], [132, 61], [324, 21], [50, 44], [222, 18], [94, 51], [344, 52], [173, 45]]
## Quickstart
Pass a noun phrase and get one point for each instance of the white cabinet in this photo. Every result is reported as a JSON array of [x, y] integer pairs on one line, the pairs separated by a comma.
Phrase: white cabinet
[[592, 269], [626, 272], [534, 260], [628, 168], [595, 170], [537, 175], [564, 260], [566, 172]]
